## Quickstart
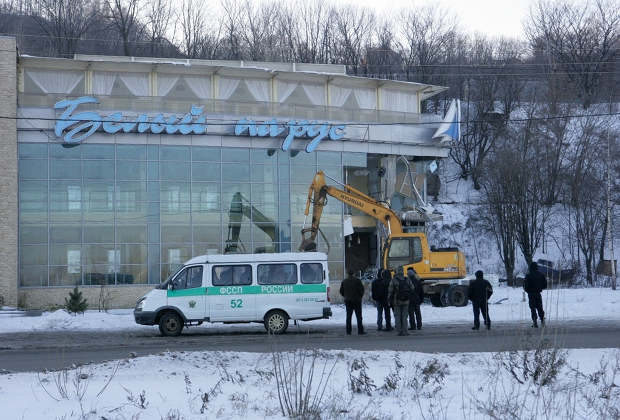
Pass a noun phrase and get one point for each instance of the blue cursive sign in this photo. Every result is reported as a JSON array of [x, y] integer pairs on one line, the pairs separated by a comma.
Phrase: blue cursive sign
[[91, 121], [294, 129], [79, 125]]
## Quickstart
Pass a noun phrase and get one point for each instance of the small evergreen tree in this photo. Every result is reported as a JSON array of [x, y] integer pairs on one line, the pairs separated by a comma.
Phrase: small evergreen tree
[[75, 304]]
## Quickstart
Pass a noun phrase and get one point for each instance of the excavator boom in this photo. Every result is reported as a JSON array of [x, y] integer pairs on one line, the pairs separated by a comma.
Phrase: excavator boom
[[317, 195]]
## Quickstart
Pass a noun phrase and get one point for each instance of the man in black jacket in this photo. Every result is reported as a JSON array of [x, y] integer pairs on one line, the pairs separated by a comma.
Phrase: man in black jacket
[[398, 296], [479, 292], [379, 295], [415, 315], [352, 289], [535, 282]]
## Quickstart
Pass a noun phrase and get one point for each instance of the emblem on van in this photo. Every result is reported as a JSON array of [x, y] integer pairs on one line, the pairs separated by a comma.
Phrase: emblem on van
[[192, 303]]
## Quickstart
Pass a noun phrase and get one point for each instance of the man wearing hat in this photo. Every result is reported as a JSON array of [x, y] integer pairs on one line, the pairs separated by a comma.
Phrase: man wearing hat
[[399, 294], [479, 292], [535, 282], [415, 315], [352, 289]]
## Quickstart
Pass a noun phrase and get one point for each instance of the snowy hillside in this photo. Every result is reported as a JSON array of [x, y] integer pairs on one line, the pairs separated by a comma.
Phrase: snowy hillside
[[458, 202]]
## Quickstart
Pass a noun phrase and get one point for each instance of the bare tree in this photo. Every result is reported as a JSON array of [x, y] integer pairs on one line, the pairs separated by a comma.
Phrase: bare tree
[[192, 20], [577, 41], [492, 95], [232, 28], [500, 198], [159, 22], [65, 22], [123, 17], [382, 59], [353, 34], [313, 35], [256, 29], [587, 187], [427, 32], [531, 213]]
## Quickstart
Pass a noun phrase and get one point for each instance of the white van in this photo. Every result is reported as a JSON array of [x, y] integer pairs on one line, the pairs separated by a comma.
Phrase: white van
[[236, 288]]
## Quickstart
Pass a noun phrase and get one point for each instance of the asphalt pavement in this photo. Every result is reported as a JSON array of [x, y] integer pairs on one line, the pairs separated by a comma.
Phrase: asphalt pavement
[[51, 350]]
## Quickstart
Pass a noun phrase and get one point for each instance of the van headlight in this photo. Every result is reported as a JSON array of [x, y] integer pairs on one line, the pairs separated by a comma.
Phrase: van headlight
[[141, 303]]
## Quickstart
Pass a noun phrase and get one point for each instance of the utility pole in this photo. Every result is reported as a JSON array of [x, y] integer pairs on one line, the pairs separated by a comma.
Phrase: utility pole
[[609, 229]]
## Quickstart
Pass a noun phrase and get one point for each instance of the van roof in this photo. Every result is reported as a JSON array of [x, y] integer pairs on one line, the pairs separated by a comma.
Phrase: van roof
[[241, 258]]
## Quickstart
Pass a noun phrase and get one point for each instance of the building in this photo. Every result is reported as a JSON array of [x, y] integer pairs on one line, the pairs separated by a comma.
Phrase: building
[[116, 170]]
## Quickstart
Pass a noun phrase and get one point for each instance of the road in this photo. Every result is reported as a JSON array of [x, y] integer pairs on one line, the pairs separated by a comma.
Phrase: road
[[36, 351]]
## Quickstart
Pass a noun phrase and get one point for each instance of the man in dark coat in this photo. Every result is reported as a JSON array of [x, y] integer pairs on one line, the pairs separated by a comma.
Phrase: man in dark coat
[[535, 282], [400, 305], [385, 283], [479, 292], [379, 290], [415, 315], [352, 289]]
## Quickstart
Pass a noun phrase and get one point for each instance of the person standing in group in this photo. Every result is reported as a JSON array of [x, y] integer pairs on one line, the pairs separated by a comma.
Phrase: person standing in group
[[352, 289], [535, 282], [479, 292], [399, 294], [379, 295], [415, 315], [386, 276]]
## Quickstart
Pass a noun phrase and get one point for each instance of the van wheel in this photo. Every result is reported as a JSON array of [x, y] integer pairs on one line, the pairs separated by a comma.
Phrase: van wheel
[[276, 322], [171, 324]]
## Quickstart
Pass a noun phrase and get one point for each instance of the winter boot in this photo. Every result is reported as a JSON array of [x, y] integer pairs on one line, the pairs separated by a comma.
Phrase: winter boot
[[535, 324], [542, 322]]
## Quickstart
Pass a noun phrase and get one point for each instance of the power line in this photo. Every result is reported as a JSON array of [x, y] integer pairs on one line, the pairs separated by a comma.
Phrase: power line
[[230, 124]]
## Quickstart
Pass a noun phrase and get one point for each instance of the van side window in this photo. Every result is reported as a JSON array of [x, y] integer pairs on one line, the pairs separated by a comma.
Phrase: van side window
[[189, 278], [180, 281], [194, 277], [311, 273], [228, 275], [277, 274]]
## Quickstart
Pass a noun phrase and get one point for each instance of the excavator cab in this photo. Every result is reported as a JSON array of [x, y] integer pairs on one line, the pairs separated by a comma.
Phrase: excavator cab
[[403, 250]]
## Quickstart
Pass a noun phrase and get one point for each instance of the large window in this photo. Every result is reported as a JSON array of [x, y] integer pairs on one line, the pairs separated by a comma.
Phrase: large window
[[97, 214]]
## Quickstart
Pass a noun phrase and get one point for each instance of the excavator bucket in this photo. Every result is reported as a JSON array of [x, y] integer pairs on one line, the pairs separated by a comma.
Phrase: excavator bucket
[[307, 245]]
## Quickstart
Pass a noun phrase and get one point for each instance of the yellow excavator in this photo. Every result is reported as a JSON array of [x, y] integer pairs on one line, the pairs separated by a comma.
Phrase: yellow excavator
[[438, 268], [240, 207]]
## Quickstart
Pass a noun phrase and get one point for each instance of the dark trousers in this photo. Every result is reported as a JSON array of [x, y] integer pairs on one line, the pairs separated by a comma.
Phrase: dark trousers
[[415, 316], [383, 309], [400, 318], [484, 309], [536, 305], [352, 305]]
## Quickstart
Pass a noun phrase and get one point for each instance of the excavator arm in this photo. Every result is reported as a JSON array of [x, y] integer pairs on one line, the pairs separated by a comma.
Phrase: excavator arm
[[240, 208], [317, 196]]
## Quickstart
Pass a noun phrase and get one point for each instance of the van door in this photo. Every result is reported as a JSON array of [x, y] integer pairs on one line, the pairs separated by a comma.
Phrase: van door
[[233, 297], [314, 289], [189, 294], [279, 289]]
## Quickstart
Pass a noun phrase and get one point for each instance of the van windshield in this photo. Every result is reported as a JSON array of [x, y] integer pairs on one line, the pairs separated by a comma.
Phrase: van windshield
[[165, 283]]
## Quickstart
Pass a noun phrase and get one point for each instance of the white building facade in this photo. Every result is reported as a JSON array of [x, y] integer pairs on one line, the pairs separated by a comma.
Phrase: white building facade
[[117, 170]]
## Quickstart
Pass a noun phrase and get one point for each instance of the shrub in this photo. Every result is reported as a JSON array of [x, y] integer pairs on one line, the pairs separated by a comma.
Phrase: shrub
[[76, 304]]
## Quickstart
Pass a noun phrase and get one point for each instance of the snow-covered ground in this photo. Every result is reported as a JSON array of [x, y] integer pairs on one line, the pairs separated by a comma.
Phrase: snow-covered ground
[[338, 385], [507, 305]]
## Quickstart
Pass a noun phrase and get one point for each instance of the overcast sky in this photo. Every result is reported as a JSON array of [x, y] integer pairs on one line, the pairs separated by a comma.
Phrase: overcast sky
[[490, 17]]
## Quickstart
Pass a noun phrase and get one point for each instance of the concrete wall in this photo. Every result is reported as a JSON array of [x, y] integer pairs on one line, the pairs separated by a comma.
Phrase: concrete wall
[[8, 171], [51, 298]]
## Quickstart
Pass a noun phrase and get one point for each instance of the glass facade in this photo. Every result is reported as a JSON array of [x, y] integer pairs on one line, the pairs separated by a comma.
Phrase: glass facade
[[95, 214]]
